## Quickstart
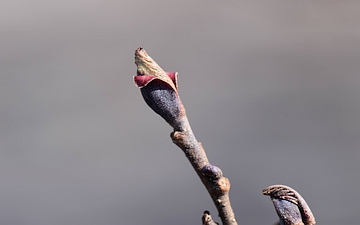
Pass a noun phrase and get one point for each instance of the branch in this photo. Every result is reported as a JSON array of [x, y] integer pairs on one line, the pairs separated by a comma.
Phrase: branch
[[160, 91]]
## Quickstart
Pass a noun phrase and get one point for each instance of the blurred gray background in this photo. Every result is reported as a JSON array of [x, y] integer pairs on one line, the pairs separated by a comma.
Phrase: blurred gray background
[[271, 88]]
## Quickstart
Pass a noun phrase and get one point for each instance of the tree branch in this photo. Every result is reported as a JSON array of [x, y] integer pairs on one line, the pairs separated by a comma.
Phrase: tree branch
[[159, 90]]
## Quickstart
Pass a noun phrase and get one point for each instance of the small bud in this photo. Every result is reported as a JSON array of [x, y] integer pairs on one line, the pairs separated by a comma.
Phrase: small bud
[[207, 219], [212, 171]]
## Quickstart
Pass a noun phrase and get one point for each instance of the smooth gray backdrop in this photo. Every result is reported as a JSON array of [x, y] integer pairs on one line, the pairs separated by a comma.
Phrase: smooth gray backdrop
[[271, 88]]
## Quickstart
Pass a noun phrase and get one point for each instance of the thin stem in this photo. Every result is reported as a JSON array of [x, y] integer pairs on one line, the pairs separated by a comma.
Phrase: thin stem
[[218, 188]]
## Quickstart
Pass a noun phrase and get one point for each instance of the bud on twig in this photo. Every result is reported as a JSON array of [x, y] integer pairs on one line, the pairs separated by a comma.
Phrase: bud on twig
[[212, 171], [159, 89], [207, 219], [289, 205]]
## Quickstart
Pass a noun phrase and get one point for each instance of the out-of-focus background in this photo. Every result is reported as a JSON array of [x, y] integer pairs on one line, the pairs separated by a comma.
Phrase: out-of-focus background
[[271, 88]]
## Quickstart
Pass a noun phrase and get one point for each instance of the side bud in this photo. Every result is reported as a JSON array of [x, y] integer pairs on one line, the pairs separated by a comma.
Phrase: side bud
[[212, 171]]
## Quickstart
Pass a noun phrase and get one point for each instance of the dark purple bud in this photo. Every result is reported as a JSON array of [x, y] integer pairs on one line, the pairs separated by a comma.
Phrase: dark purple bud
[[290, 205], [212, 171], [288, 212], [159, 89], [164, 101]]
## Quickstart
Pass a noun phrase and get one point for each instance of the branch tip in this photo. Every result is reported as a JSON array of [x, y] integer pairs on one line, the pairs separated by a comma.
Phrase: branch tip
[[207, 219]]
